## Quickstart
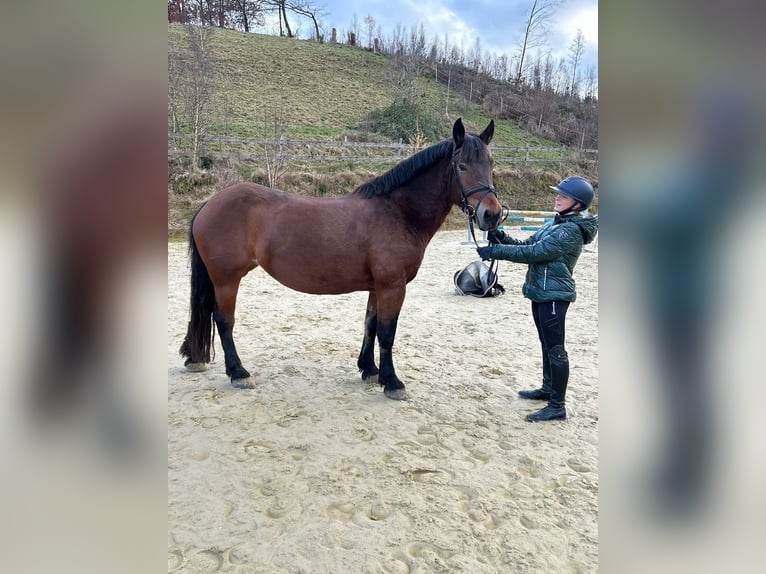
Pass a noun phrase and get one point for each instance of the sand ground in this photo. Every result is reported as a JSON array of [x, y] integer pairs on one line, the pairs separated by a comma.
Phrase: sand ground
[[315, 470]]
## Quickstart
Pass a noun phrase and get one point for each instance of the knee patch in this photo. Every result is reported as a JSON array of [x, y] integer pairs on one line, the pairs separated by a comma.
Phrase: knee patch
[[558, 355]]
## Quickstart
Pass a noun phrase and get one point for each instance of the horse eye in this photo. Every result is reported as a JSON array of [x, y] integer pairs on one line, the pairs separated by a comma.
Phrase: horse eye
[[461, 166]]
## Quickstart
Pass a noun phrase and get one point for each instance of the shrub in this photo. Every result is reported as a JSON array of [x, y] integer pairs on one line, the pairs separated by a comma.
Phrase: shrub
[[404, 121], [206, 162]]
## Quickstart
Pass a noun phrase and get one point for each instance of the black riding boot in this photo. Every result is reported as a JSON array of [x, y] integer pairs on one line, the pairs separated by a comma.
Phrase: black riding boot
[[559, 380], [544, 393]]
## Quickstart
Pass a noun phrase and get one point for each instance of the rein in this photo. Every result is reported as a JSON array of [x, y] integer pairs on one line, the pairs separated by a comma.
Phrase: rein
[[469, 210]]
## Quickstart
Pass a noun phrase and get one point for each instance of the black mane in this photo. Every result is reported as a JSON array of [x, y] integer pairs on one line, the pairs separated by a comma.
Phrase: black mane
[[404, 171]]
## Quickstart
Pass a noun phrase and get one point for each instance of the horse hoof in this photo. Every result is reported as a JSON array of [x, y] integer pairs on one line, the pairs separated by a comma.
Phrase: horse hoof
[[196, 367], [246, 383], [397, 394], [370, 373]]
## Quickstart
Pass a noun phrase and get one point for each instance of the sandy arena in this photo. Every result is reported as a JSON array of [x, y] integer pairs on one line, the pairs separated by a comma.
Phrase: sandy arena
[[316, 471]]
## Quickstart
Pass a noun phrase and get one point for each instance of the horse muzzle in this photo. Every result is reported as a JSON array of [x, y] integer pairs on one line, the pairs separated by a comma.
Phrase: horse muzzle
[[488, 218], [486, 215]]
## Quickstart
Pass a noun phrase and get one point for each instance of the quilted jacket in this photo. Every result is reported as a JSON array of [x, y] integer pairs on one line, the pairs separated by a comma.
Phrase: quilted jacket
[[551, 252]]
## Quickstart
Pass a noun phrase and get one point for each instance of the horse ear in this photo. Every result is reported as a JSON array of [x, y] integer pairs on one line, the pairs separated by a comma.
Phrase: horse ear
[[489, 131], [458, 133]]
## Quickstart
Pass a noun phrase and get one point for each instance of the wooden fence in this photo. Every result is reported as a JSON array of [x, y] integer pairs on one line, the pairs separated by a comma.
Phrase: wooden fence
[[259, 149]]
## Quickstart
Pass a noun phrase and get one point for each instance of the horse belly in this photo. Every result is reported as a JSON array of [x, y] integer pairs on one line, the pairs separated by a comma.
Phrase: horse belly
[[319, 275]]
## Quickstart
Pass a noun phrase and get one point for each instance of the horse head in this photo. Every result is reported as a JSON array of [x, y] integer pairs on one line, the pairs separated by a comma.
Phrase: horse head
[[472, 175]]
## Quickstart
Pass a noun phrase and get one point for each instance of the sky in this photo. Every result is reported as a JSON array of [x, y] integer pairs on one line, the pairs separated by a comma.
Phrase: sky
[[498, 23]]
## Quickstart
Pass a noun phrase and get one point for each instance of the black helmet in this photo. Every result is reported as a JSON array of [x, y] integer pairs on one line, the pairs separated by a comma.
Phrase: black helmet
[[576, 187]]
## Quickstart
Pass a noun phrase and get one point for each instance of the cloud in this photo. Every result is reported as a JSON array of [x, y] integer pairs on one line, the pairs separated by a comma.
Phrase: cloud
[[585, 19]]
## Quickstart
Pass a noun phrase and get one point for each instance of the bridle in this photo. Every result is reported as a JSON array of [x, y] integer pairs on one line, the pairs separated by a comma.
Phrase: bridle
[[469, 210]]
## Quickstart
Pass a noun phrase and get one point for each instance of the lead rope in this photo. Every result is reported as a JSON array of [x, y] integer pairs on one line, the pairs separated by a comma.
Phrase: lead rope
[[493, 263]]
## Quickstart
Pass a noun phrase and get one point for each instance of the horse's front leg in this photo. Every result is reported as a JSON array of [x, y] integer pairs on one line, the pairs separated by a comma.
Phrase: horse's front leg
[[366, 361], [389, 305]]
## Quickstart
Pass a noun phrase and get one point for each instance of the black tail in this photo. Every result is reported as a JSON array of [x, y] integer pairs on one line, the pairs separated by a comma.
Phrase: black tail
[[199, 335]]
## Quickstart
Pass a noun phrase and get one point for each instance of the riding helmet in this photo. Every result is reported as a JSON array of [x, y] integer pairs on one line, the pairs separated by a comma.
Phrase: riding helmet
[[577, 188]]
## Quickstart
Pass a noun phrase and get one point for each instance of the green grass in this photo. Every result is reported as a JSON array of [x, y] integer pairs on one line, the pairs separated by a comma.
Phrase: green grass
[[318, 132], [320, 91]]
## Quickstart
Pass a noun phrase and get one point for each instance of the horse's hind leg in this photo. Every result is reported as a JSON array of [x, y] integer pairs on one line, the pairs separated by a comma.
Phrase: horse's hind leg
[[366, 362], [226, 297]]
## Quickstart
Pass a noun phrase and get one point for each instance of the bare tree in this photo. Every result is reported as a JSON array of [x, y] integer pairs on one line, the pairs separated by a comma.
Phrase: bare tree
[[418, 43], [277, 157], [178, 11], [535, 31], [456, 56], [354, 29], [397, 40], [245, 14], [369, 24], [537, 73], [445, 49], [283, 16], [173, 90], [402, 72], [280, 6], [560, 77], [500, 67], [190, 82], [591, 82], [310, 10], [548, 73], [474, 56], [576, 50], [433, 52], [200, 12]]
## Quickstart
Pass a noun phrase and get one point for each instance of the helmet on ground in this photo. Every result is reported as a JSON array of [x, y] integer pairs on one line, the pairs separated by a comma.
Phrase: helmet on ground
[[576, 187]]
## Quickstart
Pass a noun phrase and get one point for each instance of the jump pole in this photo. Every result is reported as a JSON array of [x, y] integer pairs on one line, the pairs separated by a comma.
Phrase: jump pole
[[525, 216], [528, 213]]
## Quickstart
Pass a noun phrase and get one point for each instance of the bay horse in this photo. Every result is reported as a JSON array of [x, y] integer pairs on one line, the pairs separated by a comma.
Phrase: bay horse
[[372, 239]]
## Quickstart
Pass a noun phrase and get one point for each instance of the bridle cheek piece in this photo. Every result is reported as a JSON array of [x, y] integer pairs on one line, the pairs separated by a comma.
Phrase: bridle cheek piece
[[470, 210]]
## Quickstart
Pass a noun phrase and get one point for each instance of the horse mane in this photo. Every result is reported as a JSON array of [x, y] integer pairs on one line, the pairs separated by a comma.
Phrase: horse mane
[[404, 171]]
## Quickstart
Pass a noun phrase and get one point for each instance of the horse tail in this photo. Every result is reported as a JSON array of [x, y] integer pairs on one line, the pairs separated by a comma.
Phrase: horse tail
[[199, 334]]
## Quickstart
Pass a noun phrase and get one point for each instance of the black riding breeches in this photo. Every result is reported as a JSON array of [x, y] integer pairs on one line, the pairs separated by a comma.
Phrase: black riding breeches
[[550, 319]]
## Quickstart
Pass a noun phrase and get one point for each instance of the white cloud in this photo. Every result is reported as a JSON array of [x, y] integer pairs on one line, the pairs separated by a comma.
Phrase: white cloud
[[585, 19], [438, 20]]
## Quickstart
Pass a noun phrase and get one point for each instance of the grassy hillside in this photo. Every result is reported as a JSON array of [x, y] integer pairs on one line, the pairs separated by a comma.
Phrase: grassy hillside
[[319, 91], [323, 90]]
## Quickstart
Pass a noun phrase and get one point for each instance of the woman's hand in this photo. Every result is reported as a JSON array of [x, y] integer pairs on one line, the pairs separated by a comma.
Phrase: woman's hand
[[485, 252]]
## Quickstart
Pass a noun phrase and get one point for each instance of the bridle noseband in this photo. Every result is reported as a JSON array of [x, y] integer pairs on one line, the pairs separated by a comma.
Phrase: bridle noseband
[[469, 210]]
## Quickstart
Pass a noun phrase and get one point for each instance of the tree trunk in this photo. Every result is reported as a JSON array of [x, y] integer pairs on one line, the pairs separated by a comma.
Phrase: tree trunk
[[316, 27], [284, 15], [245, 21]]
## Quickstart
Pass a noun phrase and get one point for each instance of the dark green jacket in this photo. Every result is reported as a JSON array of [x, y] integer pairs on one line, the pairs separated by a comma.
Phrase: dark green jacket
[[551, 252]]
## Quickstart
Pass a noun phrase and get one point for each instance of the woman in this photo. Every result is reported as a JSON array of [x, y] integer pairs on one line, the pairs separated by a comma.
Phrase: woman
[[551, 253]]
